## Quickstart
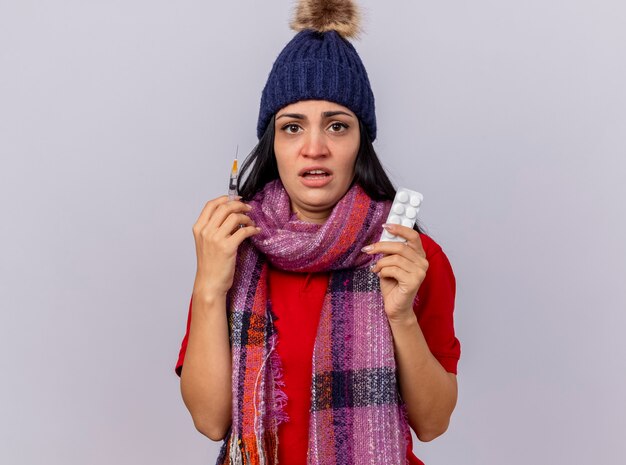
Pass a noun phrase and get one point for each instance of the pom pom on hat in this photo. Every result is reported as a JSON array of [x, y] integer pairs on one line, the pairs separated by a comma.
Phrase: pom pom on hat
[[342, 16]]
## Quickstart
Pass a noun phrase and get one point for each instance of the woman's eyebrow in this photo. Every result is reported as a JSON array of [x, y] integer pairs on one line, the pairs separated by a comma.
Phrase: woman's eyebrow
[[292, 115], [330, 114]]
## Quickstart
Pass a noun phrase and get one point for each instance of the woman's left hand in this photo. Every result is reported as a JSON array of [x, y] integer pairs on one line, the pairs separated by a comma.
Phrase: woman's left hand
[[401, 270]]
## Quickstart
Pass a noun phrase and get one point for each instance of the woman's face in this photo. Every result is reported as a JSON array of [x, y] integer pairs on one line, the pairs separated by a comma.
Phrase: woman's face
[[316, 146]]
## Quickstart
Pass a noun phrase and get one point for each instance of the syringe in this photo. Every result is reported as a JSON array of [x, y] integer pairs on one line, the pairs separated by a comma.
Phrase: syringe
[[234, 176]]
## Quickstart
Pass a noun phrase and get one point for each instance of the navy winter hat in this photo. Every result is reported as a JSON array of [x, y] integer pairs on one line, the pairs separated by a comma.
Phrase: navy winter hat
[[319, 63]]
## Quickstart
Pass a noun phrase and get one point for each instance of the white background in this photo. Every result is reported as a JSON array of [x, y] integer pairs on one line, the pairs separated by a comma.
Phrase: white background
[[119, 120]]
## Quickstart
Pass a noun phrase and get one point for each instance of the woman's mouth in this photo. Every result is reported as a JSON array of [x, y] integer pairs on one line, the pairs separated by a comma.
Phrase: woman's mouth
[[315, 174], [315, 177]]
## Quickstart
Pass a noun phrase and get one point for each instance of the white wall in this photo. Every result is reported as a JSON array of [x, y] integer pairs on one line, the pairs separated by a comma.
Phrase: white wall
[[118, 120]]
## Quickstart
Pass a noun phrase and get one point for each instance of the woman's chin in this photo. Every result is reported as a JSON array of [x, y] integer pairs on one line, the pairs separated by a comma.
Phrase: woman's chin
[[314, 206]]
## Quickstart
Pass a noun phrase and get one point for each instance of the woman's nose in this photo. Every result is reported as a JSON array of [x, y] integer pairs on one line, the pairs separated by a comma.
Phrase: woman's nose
[[315, 145]]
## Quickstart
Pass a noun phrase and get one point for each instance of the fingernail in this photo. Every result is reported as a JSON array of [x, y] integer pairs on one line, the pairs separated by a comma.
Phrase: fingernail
[[367, 248], [372, 266], [387, 226]]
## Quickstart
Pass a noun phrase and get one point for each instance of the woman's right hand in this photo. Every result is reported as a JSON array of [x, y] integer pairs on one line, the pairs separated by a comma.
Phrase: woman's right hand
[[218, 235]]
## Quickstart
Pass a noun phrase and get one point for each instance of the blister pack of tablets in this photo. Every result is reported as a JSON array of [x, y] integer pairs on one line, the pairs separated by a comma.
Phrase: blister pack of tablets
[[403, 211]]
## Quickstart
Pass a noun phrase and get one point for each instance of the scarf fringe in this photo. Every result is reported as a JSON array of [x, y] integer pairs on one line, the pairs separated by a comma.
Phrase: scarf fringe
[[405, 427], [246, 451], [280, 397]]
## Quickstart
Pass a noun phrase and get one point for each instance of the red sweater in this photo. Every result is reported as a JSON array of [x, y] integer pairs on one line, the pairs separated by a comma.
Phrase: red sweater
[[297, 329]]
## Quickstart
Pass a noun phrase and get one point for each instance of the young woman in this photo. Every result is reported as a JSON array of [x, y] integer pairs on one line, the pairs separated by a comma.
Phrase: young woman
[[311, 341]]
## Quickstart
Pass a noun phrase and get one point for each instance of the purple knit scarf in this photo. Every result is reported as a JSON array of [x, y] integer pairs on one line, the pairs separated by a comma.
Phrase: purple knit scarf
[[357, 415]]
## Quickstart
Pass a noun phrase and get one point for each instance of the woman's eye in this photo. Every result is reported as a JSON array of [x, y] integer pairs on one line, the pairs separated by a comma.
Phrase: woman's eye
[[291, 128], [338, 127]]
